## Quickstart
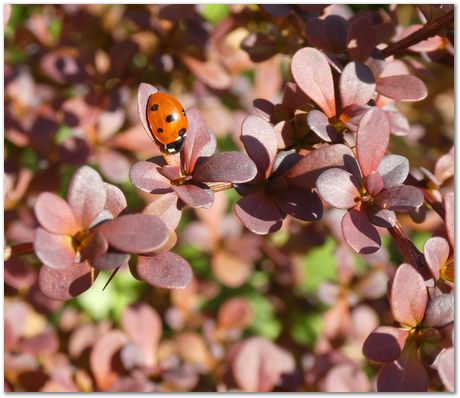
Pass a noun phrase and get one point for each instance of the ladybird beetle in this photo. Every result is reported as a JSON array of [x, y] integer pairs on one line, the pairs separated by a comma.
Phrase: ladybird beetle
[[167, 122]]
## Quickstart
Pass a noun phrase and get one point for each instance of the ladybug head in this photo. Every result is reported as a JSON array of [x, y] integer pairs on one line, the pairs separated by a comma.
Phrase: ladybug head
[[177, 145]]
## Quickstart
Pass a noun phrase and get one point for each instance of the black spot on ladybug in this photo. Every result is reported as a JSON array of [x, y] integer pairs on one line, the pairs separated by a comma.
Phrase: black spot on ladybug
[[154, 107], [171, 117], [183, 112], [160, 130]]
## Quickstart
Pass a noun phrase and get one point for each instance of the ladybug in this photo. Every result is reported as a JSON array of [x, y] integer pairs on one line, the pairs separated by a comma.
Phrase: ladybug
[[167, 121]]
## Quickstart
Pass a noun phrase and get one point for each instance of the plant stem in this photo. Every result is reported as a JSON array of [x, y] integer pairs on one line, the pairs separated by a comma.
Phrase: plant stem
[[18, 250], [427, 31], [220, 186], [411, 254], [437, 206]]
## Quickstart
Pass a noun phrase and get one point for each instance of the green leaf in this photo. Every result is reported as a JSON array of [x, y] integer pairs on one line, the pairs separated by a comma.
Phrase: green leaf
[[264, 322], [215, 13], [55, 27], [319, 266], [62, 134], [306, 328], [419, 239]]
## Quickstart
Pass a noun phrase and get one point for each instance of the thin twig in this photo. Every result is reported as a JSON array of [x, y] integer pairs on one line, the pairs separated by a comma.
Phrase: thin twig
[[437, 206], [220, 186], [410, 252], [18, 250], [429, 30]]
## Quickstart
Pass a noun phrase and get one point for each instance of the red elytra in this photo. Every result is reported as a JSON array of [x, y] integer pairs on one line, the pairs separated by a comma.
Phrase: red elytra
[[167, 122]]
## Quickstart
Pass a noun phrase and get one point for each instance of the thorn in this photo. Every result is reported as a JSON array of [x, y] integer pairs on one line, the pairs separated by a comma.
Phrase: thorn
[[111, 277]]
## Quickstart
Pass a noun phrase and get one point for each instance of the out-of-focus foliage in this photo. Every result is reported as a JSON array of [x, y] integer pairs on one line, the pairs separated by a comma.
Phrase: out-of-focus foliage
[[293, 310]]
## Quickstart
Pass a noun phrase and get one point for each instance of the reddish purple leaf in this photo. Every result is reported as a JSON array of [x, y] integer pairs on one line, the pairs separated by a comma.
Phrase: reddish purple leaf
[[144, 91], [328, 34], [357, 85], [114, 166], [339, 188], [259, 365], [302, 204], [445, 166], [436, 251], [263, 108], [135, 233], [449, 204], [373, 183], [19, 274], [399, 125], [86, 195], [225, 167], [310, 167], [235, 313], [145, 176], [408, 296], [143, 325], [116, 201], [165, 270], [93, 247], [55, 215], [381, 217], [110, 260], [385, 344], [45, 343], [259, 213], [402, 88], [312, 73], [198, 139], [394, 170], [400, 198], [445, 364], [65, 284], [407, 374], [102, 358], [195, 195], [56, 251], [440, 311], [372, 139], [260, 141], [165, 207], [319, 123], [359, 233], [346, 377], [361, 39]]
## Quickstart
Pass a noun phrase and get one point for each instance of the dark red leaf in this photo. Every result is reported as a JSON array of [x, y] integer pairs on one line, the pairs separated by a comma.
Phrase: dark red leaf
[[233, 167], [312, 73], [339, 188], [166, 208], [372, 139], [361, 39], [263, 108], [116, 201], [110, 260], [210, 72], [400, 198], [93, 247], [170, 172], [45, 343], [65, 284], [440, 311], [143, 325], [235, 313], [114, 166], [357, 85], [346, 377], [445, 166], [373, 183], [394, 170], [328, 34], [305, 172], [146, 177], [407, 374], [56, 251], [302, 204], [449, 204], [165, 270], [381, 217], [260, 141], [135, 233], [144, 91], [55, 215], [86, 195], [195, 195], [259, 213], [259, 364], [359, 233], [402, 88], [385, 344], [19, 274], [436, 251], [198, 139], [408, 297], [445, 364], [320, 125]]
